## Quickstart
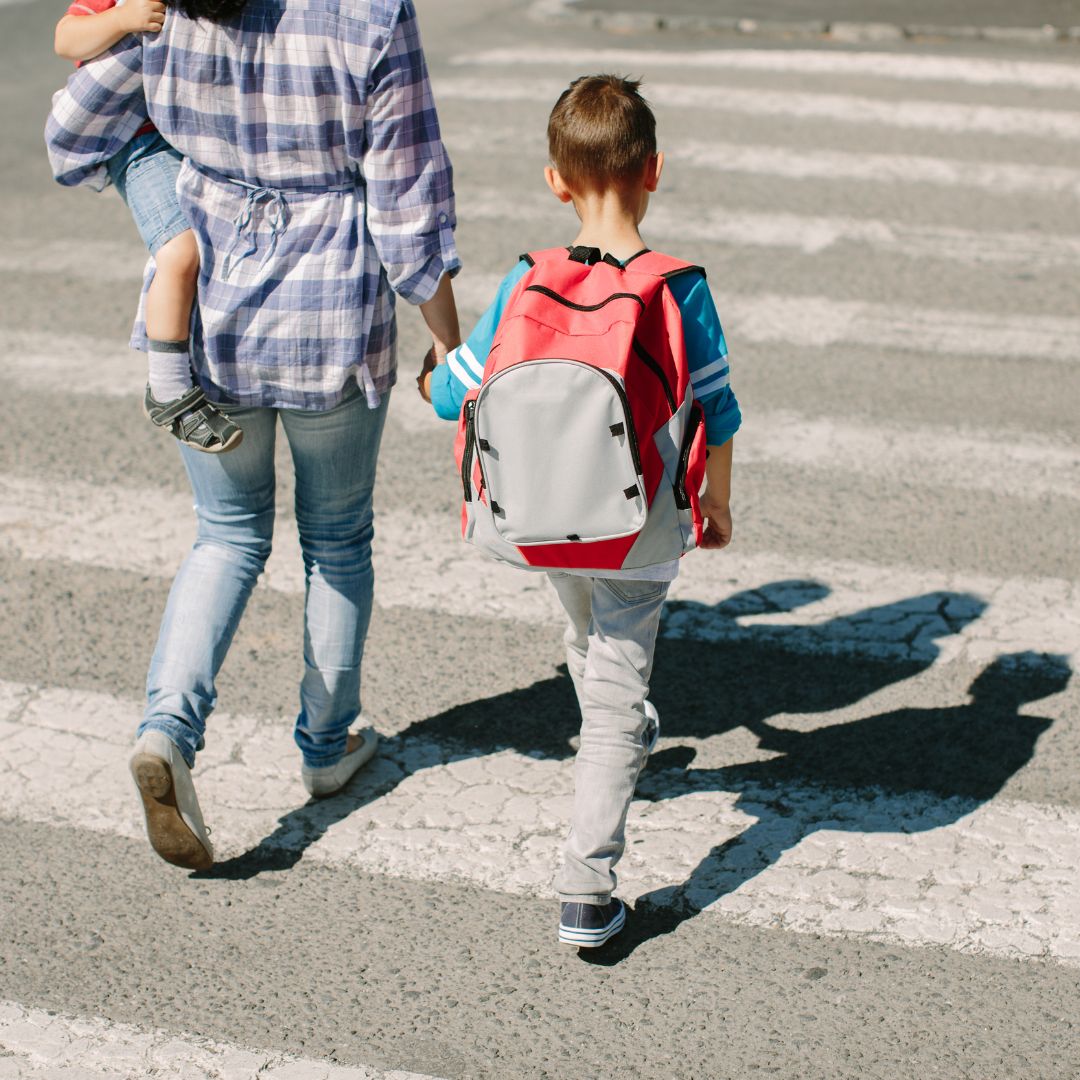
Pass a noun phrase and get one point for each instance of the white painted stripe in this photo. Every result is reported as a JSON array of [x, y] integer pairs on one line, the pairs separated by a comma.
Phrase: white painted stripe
[[906, 67], [1001, 878], [55, 1046], [459, 370], [996, 178], [712, 224], [731, 225], [470, 359], [837, 607], [819, 322], [938, 116]]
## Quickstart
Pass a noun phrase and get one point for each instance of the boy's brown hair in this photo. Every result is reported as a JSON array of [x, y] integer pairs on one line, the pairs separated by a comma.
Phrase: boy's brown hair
[[601, 132]]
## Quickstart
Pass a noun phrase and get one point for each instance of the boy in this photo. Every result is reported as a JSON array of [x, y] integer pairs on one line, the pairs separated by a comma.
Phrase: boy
[[145, 174], [602, 144]]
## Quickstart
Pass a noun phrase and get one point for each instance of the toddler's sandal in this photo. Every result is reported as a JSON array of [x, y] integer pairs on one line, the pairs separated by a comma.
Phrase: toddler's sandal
[[194, 421]]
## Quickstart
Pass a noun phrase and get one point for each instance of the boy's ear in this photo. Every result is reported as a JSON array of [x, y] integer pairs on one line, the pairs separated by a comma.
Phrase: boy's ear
[[653, 169], [557, 185]]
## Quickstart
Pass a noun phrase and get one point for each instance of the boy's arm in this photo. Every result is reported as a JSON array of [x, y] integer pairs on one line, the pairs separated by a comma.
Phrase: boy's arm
[[445, 385], [84, 32], [716, 502]]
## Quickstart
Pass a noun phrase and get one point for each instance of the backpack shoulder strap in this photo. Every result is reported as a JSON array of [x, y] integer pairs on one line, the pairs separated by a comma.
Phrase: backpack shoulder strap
[[664, 266]]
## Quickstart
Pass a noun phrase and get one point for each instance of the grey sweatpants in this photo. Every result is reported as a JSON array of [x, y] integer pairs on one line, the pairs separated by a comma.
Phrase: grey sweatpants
[[609, 649]]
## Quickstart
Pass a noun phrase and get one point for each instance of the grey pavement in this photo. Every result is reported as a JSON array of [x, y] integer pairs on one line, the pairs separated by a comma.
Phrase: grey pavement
[[857, 851]]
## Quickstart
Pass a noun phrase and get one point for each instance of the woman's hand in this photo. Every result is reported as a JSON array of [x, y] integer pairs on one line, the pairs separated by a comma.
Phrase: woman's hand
[[423, 380]]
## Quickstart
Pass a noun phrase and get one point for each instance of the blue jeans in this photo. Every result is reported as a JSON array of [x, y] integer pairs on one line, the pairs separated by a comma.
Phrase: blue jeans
[[333, 456]]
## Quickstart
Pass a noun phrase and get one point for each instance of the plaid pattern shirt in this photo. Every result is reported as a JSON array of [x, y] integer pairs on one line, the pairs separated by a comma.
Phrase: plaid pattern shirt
[[315, 180]]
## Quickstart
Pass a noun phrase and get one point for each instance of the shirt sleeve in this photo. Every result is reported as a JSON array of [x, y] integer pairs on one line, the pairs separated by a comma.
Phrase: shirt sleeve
[[96, 115], [90, 7], [464, 367], [707, 355], [410, 186]]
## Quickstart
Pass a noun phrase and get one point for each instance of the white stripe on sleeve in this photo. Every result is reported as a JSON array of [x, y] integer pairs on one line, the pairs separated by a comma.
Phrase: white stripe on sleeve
[[713, 385], [705, 373], [466, 354], [459, 371]]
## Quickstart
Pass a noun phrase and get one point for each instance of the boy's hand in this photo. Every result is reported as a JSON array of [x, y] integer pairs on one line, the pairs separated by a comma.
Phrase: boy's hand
[[142, 16], [718, 524], [423, 380]]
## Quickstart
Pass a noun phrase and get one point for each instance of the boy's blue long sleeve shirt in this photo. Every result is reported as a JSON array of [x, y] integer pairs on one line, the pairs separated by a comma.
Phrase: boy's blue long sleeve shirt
[[706, 353]]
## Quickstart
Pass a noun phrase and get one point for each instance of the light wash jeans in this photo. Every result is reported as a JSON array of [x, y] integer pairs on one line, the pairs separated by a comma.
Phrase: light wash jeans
[[609, 649], [334, 457]]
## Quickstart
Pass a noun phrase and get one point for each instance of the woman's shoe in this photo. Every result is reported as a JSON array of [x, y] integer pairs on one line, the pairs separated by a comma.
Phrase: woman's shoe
[[174, 822], [329, 780]]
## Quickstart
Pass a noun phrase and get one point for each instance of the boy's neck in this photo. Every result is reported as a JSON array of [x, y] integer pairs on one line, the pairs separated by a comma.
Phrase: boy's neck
[[609, 222]]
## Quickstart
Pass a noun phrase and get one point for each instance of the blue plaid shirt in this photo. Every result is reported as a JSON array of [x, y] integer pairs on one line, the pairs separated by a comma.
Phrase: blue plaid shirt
[[315, 180]]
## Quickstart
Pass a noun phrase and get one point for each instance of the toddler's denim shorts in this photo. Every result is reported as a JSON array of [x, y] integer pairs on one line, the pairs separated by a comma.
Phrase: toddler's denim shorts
[[145, 173]]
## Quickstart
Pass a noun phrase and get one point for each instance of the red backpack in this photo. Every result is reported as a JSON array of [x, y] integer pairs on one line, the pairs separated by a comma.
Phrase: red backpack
[[583, 448]]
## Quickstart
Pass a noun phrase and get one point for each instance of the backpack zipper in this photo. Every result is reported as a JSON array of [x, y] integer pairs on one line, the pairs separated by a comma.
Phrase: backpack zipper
[[467, 455], [631, 431], [682, 499], [658, 371], [552, 295]]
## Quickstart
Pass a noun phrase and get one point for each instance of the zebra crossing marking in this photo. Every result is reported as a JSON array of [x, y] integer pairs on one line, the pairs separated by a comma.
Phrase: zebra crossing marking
[[937, 116], [973, 71], [993, 877], [810, 606], [59, 1046]]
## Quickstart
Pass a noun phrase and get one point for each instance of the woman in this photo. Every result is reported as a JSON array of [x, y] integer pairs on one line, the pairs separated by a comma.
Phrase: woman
[[317, 185]]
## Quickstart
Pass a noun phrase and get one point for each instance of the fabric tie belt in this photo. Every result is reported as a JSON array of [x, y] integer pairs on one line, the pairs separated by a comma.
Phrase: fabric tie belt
[[245, 236]]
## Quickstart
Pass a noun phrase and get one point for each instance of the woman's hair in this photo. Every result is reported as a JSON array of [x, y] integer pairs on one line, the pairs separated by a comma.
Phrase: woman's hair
[[601, 132], [210, 10]]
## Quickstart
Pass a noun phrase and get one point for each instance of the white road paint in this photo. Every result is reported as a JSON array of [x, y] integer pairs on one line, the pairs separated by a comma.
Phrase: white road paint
[[39, 1045], [1000, 878], [819, 322], [736, 227], [996, 178], [112, 261], [716, 224], [774, 599], [1037, 75], [916, 115]]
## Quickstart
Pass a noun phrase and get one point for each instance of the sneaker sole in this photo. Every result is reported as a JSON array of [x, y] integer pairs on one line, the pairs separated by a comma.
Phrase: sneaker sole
[[169, 834], [591, 939]]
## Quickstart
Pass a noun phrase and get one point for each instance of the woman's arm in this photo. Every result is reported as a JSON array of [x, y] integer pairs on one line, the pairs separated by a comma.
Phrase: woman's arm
[[82, 37]]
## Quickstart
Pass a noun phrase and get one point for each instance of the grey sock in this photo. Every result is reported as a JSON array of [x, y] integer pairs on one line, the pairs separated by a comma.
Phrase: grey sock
[[169, 369]]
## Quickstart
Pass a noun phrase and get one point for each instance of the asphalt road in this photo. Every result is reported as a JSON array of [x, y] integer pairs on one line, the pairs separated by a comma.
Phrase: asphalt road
[[857, 850]]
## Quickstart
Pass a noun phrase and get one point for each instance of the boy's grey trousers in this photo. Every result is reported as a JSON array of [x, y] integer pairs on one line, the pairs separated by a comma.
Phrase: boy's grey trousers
[[609, 649]]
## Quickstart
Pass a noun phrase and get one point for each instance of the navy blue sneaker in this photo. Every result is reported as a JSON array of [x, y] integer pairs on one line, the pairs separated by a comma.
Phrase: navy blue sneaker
[[590, 925]]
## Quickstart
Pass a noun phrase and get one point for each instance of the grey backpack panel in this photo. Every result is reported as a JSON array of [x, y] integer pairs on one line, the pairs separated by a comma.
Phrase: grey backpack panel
[[555, 442]]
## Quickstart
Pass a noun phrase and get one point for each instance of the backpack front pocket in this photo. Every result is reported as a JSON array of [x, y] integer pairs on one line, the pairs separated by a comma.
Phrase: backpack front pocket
[[558, 454]]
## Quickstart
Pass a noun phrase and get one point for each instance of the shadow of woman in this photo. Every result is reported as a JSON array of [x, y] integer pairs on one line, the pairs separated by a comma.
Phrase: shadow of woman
[[752, 680], [941, 763]]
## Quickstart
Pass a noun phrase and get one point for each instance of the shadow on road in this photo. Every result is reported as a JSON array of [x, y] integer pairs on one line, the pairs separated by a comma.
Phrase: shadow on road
[[956, 757]]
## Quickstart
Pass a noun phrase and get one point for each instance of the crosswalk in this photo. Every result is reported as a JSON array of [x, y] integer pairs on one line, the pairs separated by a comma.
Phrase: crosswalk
[[907, 779]]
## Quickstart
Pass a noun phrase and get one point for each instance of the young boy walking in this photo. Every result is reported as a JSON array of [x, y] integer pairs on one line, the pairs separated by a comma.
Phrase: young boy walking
[[604, 160], [145, 174]]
